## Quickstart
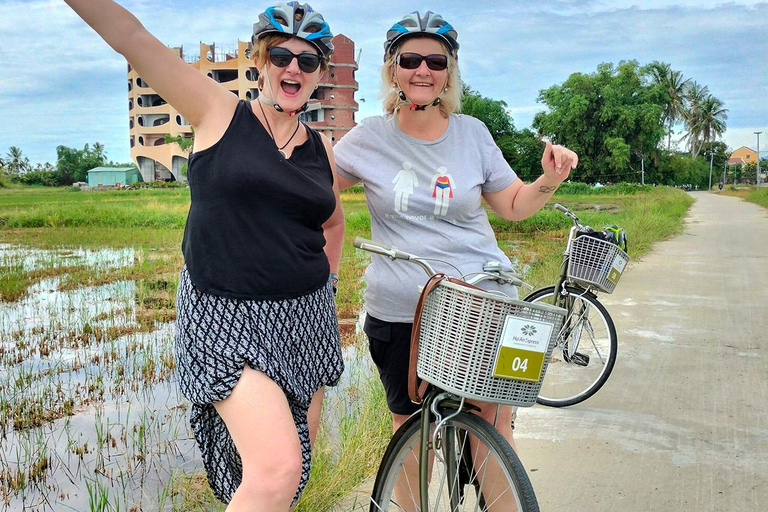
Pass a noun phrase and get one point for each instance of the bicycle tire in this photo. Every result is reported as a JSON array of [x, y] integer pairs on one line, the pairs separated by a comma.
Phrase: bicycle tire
[[510, 491], [567, 383]]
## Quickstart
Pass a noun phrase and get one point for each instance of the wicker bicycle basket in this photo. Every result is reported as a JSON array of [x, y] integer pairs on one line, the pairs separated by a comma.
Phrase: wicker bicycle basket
[[460, 338], [596, 262]]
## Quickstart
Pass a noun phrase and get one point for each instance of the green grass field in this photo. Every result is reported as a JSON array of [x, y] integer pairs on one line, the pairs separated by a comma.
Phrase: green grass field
[[150, 223]]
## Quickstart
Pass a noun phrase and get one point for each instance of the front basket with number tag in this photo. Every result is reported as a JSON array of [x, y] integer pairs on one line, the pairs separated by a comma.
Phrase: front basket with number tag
[[483, 346]]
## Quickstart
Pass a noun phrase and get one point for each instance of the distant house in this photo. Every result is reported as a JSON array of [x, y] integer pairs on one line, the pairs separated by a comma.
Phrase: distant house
[[111, 176], [745, 154]]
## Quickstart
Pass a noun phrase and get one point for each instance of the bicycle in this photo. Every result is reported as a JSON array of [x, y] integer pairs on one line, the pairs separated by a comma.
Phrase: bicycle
[[586, 348], [466, 345]]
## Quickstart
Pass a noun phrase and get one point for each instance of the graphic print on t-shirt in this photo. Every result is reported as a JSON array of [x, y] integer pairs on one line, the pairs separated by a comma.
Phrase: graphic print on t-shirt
[[404, 181], [442, 190]]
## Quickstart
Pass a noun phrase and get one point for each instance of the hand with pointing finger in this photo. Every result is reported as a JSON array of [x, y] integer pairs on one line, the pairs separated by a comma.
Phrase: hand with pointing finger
[[557, 161]]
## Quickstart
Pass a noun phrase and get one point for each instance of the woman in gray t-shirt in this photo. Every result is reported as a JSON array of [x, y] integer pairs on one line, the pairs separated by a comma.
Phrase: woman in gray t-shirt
[[425, 170]]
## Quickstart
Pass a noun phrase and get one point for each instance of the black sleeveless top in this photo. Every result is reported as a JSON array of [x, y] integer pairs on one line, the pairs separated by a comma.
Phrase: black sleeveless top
[[254, 229]]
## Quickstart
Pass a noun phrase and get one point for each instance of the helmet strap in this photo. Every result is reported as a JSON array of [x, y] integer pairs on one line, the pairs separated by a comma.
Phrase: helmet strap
[[414, 106]]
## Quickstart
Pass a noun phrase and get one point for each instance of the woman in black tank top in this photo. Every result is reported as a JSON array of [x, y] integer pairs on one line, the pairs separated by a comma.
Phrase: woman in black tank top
[[257, 337]]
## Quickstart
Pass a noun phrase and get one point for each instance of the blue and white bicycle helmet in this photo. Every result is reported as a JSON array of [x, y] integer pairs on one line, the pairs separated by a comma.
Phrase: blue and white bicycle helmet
[[413, 24], [295, 19]]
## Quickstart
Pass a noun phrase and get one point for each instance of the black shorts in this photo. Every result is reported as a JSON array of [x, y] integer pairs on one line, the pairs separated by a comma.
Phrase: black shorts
[[390, 346]]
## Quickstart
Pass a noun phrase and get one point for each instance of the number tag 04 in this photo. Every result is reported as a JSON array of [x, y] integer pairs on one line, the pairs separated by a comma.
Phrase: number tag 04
[[522, 349]]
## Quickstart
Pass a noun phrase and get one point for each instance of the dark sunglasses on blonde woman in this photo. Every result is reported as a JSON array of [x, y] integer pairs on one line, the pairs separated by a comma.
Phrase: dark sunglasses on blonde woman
[[282, 57], [435, 61]]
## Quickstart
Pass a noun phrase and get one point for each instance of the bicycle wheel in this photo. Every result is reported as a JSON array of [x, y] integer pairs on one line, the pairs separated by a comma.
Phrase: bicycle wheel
[[585, 352], [495, 482]]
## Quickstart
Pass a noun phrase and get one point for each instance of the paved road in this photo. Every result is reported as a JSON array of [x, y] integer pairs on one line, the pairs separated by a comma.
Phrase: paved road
[[682, 424]]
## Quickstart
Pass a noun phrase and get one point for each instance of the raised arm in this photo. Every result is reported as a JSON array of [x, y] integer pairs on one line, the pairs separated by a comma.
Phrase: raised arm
[[198, 98], [519, 201]]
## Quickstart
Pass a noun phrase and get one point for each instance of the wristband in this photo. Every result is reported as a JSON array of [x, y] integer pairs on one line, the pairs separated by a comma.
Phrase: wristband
[[334, 279]]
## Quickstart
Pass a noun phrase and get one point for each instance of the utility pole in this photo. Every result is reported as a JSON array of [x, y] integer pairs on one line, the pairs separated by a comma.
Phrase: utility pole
[[642, 171], [711, 156], [725, 164], [758, 158]]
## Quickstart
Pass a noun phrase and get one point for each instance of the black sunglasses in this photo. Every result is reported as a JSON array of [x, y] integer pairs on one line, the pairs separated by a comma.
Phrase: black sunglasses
[[282, 57], [435, 61]]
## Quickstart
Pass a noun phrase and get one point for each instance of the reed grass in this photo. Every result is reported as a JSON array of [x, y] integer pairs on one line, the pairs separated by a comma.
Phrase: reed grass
[[759, 197]]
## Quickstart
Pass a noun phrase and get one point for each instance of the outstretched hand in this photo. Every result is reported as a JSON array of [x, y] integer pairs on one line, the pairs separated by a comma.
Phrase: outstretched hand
[[557, 161]]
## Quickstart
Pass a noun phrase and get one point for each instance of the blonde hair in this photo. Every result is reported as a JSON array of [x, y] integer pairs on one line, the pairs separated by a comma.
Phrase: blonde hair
[[450, 97], [260, 55]]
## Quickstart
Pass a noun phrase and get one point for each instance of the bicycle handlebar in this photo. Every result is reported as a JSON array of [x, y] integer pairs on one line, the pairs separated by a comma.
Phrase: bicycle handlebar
[[379, 248], [576, 222], [491, 270]]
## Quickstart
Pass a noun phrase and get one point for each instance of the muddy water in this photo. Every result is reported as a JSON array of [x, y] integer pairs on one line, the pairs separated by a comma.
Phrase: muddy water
[[89, 409]]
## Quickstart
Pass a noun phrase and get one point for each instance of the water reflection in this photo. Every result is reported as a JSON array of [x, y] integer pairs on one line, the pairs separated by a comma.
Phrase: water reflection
[[89, 407]]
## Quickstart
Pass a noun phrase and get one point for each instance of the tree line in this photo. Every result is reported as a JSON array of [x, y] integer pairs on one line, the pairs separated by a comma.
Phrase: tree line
[[621, 120], [72, 165]]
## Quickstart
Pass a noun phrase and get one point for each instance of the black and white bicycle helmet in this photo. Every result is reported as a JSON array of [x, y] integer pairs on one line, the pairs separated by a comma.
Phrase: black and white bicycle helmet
[[431, 24], [295, 19]]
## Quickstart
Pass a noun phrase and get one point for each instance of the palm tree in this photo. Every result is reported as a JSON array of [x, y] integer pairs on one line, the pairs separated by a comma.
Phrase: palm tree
[[16, 162], [674, 86], [713, 117], [695, 96], [98, 151]]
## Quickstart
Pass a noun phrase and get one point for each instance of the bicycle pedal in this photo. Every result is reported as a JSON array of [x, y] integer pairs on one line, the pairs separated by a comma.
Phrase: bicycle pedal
[[580, 359]]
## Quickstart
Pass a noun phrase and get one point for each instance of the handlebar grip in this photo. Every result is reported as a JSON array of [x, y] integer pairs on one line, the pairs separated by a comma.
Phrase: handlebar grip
[[359, 241], [379, 248], [561, 208]]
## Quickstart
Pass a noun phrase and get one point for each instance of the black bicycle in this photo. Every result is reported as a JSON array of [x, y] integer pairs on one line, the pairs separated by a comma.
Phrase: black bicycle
[[586, 348]]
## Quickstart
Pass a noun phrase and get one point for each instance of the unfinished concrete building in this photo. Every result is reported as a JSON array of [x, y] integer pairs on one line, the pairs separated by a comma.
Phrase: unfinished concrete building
[[331, 109]]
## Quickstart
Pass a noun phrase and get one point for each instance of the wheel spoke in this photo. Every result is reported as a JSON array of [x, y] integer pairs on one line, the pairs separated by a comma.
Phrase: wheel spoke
[[578, 367], [497, 481]]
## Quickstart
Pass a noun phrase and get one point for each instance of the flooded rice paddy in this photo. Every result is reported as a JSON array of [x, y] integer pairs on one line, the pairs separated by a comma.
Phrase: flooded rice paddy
[[90, 415]]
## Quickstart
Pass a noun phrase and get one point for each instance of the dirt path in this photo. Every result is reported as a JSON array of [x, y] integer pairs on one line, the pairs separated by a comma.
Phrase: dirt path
[[682, 424]]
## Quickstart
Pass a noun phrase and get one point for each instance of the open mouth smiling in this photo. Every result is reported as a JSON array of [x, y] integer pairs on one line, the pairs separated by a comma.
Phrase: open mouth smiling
[[290, 87]]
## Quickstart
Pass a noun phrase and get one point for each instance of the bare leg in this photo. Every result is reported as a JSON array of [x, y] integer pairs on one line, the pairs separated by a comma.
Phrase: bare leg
[[313, 415], [259, 420], [493, 482], [407, 485]]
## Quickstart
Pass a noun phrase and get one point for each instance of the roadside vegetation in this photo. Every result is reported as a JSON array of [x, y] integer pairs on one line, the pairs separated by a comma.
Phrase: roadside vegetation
[[111, 260], [751, 194]]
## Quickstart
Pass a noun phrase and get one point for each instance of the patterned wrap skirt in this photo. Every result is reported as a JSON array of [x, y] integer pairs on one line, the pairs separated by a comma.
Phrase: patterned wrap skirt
[[295, 342]]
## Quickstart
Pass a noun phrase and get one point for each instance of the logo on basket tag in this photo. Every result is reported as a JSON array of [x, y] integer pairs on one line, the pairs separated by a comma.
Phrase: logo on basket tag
[[522, 349], [614, 273]]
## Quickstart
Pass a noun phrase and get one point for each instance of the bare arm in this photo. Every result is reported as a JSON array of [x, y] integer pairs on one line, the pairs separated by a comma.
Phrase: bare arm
[[199, 99], [344, 183], [519, 201], [333, 229]]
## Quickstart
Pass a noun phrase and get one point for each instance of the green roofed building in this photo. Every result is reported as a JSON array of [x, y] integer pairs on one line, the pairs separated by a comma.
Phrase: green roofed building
[[111, 176]]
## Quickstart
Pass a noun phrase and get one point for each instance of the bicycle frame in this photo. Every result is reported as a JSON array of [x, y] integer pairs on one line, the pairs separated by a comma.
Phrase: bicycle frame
[[442, 408]]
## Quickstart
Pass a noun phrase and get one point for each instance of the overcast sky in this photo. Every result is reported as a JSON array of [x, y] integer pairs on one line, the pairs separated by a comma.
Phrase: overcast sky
[[60, 84]]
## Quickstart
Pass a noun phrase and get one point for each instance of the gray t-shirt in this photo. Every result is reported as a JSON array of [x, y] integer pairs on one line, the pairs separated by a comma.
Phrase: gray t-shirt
[[424, 198]]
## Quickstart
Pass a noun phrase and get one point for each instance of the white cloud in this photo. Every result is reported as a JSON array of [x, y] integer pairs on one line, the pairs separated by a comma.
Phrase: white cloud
[[57, 74]]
